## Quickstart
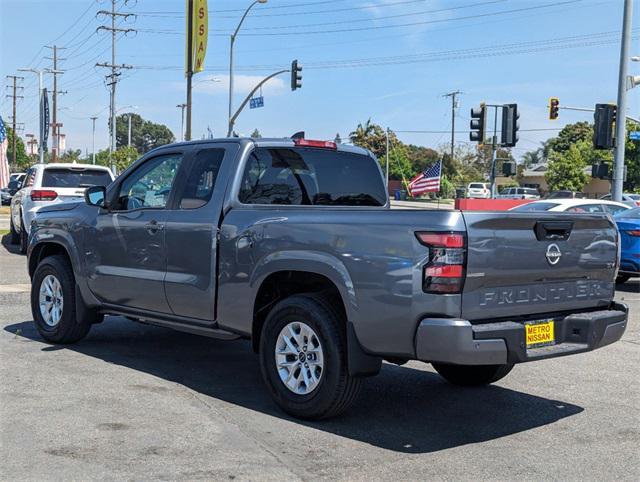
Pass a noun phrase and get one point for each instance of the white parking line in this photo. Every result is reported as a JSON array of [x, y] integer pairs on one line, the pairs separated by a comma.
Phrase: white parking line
[[15, 288]]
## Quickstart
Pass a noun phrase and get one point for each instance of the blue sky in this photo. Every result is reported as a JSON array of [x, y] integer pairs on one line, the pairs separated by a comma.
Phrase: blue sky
[[388, 60]]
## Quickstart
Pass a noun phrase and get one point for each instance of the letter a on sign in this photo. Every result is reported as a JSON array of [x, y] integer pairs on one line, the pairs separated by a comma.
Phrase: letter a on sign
[[200, 33]]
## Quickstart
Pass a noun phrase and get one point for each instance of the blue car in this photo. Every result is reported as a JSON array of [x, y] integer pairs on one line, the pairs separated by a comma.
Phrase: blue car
[[629, 226]]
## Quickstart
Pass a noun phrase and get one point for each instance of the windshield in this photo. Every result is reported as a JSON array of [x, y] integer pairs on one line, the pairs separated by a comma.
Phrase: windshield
[[629, 213], [476, 186], [635, 197], [531, 207], [64, 177], [308, 176]]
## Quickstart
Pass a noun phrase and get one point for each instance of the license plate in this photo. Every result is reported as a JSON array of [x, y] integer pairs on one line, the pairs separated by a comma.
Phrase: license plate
[[539, 333]]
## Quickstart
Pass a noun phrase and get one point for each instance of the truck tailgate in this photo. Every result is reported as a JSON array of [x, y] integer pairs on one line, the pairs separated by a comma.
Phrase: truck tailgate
[[523, 264]]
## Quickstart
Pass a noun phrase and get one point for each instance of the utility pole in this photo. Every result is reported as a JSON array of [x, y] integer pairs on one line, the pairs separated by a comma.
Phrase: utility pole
[[129, 131], [621, 128], [113, 77], [454, 105], [14, 95], [55, 127], [182, 107], [387, 164], [93, 139], [187, 134]]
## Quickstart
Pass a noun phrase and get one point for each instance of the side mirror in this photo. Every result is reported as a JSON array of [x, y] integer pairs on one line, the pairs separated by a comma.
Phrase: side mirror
[[96, 196]]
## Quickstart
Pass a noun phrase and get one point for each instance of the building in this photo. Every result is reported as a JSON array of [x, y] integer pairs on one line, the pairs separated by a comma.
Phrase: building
[[534, 177]]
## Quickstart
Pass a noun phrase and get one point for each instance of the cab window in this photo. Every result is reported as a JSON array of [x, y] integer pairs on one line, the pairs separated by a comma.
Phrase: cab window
[[586, 208], [202, 178], [150, 185]]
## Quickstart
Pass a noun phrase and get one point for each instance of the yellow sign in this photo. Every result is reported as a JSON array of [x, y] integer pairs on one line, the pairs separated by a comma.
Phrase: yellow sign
[[200, 34], [539, 334]]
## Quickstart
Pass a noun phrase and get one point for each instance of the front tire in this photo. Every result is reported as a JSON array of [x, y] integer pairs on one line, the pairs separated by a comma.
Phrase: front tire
[[53, 302], [472, 375], [15, 237], [303, 358]]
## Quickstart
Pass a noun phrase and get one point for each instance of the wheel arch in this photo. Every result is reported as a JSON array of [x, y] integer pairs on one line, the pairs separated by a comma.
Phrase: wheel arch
[[287, 276]]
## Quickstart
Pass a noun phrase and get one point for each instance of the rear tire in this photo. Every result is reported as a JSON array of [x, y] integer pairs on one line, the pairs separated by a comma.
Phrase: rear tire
[[320, 328], [622, 278], [55, 316], [24, 237], [472, 375], [15, 237]]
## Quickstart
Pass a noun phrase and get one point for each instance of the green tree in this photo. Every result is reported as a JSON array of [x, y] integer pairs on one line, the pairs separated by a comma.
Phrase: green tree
[[531, 158], [22, 159], [632, 160], [71, 155], [123, 158], [566, 170], [569, 135], [256, 134], [373, 137], [145, 135]]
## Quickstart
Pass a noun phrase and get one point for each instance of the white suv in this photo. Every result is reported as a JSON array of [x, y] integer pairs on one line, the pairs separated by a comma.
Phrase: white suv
[[519, 193], [47, 184], [478, 190]]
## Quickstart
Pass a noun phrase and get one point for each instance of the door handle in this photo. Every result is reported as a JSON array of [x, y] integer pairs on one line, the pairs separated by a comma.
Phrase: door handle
[[153, 226]]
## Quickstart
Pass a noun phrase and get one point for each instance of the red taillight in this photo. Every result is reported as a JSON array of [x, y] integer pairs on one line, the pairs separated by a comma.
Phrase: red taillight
[[444, 272], [441, 240], [635, 232], [43, 195], [311, 143]]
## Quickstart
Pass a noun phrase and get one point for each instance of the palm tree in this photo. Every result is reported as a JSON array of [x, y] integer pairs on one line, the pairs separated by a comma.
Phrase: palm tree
[[362, 133], [532, 158]]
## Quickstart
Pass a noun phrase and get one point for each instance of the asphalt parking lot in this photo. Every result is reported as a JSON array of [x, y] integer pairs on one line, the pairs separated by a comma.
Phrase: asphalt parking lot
[[133, 401]]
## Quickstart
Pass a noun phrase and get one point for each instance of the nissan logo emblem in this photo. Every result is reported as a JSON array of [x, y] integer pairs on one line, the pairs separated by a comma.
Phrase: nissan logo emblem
[[553, 254]]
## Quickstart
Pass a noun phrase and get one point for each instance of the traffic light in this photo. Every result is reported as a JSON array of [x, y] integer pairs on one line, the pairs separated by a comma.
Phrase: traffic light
[[509, 168], [600, 171], [510, 125], [554, 107], [296, 75], [605, 118], [478, 124]]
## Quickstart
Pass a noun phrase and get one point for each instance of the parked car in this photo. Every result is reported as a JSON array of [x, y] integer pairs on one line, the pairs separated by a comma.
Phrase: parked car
[[630, 199], [15, 183], [291, 244], [566, 195], [589, 206], [629, 227], [478, 190], [519, 193], [46, 184]]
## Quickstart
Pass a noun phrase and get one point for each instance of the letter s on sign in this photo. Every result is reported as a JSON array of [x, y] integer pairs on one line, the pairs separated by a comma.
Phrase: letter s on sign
[[201, 13]]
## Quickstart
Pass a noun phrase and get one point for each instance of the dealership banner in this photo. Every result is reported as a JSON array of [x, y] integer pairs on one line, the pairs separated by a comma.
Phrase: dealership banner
[[200, 34]]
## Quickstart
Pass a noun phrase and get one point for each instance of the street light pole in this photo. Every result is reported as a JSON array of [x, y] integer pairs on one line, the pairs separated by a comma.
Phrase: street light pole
[[129, 133], [39, 73], [231, 44], [182, 107], [93, 140], [621, 128]]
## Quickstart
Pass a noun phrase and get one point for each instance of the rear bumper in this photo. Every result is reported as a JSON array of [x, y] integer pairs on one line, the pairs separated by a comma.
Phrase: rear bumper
[[458, 341]]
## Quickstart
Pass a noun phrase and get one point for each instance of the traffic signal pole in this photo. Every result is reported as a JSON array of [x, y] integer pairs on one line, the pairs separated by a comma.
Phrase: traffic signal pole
[[494, 150], [621, 128]]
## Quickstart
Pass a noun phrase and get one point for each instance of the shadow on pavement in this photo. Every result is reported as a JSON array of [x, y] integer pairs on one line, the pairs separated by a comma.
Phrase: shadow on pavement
[[631, 286], [402, 409]]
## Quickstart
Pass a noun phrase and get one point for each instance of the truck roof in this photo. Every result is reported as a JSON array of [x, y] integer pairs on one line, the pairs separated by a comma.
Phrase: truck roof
[[262, 142]]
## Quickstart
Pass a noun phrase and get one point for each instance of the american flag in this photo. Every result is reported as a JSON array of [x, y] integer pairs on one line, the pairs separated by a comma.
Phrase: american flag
[[4, 162], [426, 181]]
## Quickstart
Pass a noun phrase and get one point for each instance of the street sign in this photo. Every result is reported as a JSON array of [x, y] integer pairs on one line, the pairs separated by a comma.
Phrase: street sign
[[634, 135], [256, 102]]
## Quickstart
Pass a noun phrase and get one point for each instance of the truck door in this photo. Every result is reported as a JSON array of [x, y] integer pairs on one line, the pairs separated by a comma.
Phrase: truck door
[[192, 229], [125, 246]]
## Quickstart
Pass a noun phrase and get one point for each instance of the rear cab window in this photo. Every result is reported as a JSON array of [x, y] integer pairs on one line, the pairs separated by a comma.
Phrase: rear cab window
[[311, 177], [69, 177]]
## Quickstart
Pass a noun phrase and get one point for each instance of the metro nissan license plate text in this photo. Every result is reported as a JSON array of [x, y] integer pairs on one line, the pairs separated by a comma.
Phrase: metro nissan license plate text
[[539, 333]]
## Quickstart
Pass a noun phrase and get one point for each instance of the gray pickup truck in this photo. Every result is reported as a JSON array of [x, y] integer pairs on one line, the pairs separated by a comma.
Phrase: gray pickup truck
[[290, 243]]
